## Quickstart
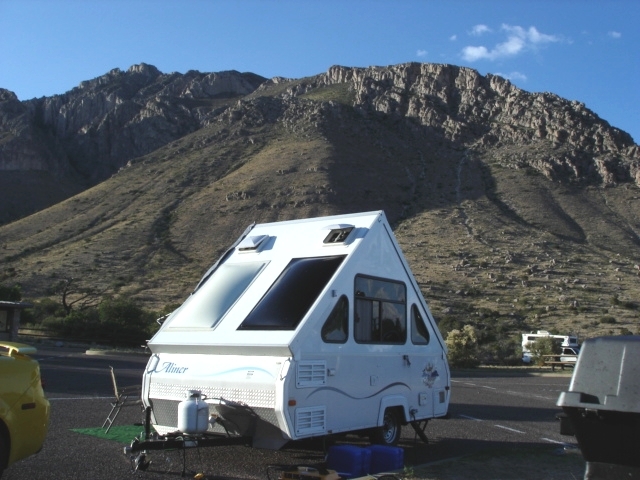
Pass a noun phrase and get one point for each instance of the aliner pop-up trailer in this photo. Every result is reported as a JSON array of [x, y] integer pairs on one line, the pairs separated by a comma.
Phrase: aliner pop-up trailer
[[303, 328]]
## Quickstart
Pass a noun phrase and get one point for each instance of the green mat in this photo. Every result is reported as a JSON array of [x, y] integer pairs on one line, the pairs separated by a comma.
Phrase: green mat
[[119, 433]]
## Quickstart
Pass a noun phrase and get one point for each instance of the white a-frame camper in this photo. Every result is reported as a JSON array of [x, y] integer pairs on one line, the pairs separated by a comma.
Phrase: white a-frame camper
[[303, 328]]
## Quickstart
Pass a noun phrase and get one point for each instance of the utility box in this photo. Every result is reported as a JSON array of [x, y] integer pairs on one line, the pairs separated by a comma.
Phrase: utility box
[[603, 406]]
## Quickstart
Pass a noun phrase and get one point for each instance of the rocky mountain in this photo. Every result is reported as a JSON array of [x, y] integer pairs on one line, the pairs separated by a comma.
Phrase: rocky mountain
[[489, 112], [75, 140], [518, 207]]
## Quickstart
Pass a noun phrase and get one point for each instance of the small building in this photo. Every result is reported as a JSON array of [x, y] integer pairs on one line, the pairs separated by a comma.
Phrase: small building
[[10, 319]]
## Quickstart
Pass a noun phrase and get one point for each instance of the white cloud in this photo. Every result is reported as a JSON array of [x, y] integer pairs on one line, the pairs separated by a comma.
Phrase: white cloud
[[518, 40], [513, 76], [531, 35], [421, 53], [479, 30], [453, 38], [472, 54], [614, 34]]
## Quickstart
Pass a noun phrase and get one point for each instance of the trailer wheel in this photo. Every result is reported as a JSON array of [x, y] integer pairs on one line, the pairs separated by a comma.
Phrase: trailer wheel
[[389, 432]]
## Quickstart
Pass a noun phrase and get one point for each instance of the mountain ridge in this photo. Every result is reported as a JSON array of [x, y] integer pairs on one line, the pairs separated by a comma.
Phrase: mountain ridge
[[512, 206]]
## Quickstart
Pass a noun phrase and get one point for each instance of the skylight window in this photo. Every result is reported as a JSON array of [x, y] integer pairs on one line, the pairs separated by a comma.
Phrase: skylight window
[[290, 297], [206, 307]]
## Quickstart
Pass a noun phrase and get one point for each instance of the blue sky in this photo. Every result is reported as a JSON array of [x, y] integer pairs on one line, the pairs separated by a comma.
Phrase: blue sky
[[585, 50]]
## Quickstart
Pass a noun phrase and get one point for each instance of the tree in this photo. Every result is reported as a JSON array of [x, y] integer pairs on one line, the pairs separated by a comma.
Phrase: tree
[[72, 294], [543, 346], [462, 347]]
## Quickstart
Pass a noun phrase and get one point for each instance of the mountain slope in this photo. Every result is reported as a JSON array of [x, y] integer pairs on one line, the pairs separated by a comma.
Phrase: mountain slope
[[516, 207]]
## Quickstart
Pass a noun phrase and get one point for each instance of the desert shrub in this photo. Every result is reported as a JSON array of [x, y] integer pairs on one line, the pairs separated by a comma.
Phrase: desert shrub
[[504, 351], [44, 311], [80, 325], [10, 294], [124, 322], [462, 347], [607, 319], [448, 323], [114, 321]]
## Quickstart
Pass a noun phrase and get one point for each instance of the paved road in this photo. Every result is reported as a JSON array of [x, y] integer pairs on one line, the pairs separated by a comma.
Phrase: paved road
[[486, 412]]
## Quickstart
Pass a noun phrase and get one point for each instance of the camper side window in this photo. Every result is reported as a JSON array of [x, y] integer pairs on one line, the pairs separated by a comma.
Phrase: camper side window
[[380, 311], [290, 297], [419, 331], [336, 328]]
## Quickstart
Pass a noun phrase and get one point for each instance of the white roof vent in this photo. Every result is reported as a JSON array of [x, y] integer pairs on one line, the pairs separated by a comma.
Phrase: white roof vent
[[338, 233], [252, 243]]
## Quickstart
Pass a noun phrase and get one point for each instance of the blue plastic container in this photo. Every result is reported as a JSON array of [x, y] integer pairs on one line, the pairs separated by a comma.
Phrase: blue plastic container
[[385, 458], [350, 461]]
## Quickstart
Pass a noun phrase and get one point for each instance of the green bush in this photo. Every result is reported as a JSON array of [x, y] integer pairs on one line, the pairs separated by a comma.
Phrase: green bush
[[10, 294], [462, 347], [543, 346], [43, 312], [114, 321], [503, 351], [124, 322], [448, 323]]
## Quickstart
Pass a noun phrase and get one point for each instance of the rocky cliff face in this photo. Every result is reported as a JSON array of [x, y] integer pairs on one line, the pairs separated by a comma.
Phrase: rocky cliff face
[[97, 127], [566, 140], [88, 133]]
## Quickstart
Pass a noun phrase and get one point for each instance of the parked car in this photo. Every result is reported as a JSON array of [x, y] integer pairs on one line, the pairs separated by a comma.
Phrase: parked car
[[24, 409], [570, 354]]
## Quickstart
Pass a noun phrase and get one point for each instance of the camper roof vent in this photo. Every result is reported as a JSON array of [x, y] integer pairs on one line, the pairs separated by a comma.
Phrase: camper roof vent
[[338, 233], [252, 243]]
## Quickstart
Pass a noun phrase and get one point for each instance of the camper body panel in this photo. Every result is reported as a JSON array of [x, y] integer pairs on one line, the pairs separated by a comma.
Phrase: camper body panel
[[277, 382], [364, 375], [226, 382], [359, 387]]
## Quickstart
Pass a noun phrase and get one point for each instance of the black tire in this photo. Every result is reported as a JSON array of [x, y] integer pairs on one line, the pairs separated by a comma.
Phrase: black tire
[[390, 431], [4, 449]]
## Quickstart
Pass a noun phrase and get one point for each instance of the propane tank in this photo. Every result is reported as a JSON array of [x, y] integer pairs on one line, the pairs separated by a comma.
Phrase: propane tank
[[193, 413]]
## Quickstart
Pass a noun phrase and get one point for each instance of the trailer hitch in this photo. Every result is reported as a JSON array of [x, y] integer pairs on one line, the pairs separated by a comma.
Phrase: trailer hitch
[[139, 447]]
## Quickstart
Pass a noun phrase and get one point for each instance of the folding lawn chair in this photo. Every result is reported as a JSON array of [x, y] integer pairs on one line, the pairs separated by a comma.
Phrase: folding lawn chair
[[124, 397]]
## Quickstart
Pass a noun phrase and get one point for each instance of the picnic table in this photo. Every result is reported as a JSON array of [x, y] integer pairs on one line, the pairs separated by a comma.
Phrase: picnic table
[[559, 360]]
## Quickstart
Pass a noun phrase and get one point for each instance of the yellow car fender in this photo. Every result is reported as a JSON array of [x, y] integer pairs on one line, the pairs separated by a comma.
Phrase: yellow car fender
[[24, 409]]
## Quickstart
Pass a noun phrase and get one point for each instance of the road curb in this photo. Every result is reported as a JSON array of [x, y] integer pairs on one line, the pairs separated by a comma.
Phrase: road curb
[[92, 351]]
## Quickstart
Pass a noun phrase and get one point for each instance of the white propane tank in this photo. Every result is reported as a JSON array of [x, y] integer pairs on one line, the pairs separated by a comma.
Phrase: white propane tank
[[193, 414]]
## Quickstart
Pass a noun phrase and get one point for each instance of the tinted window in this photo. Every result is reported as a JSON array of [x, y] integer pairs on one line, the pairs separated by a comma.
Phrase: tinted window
[[210, 302], [380, 311], [289, 298], [336, 328], [419, 331]]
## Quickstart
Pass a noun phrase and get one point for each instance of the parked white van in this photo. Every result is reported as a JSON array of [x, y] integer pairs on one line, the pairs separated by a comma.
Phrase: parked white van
[[303, 328]]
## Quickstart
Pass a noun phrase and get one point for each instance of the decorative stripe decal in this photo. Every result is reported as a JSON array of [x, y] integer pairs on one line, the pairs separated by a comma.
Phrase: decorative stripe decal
[[332, 389]]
